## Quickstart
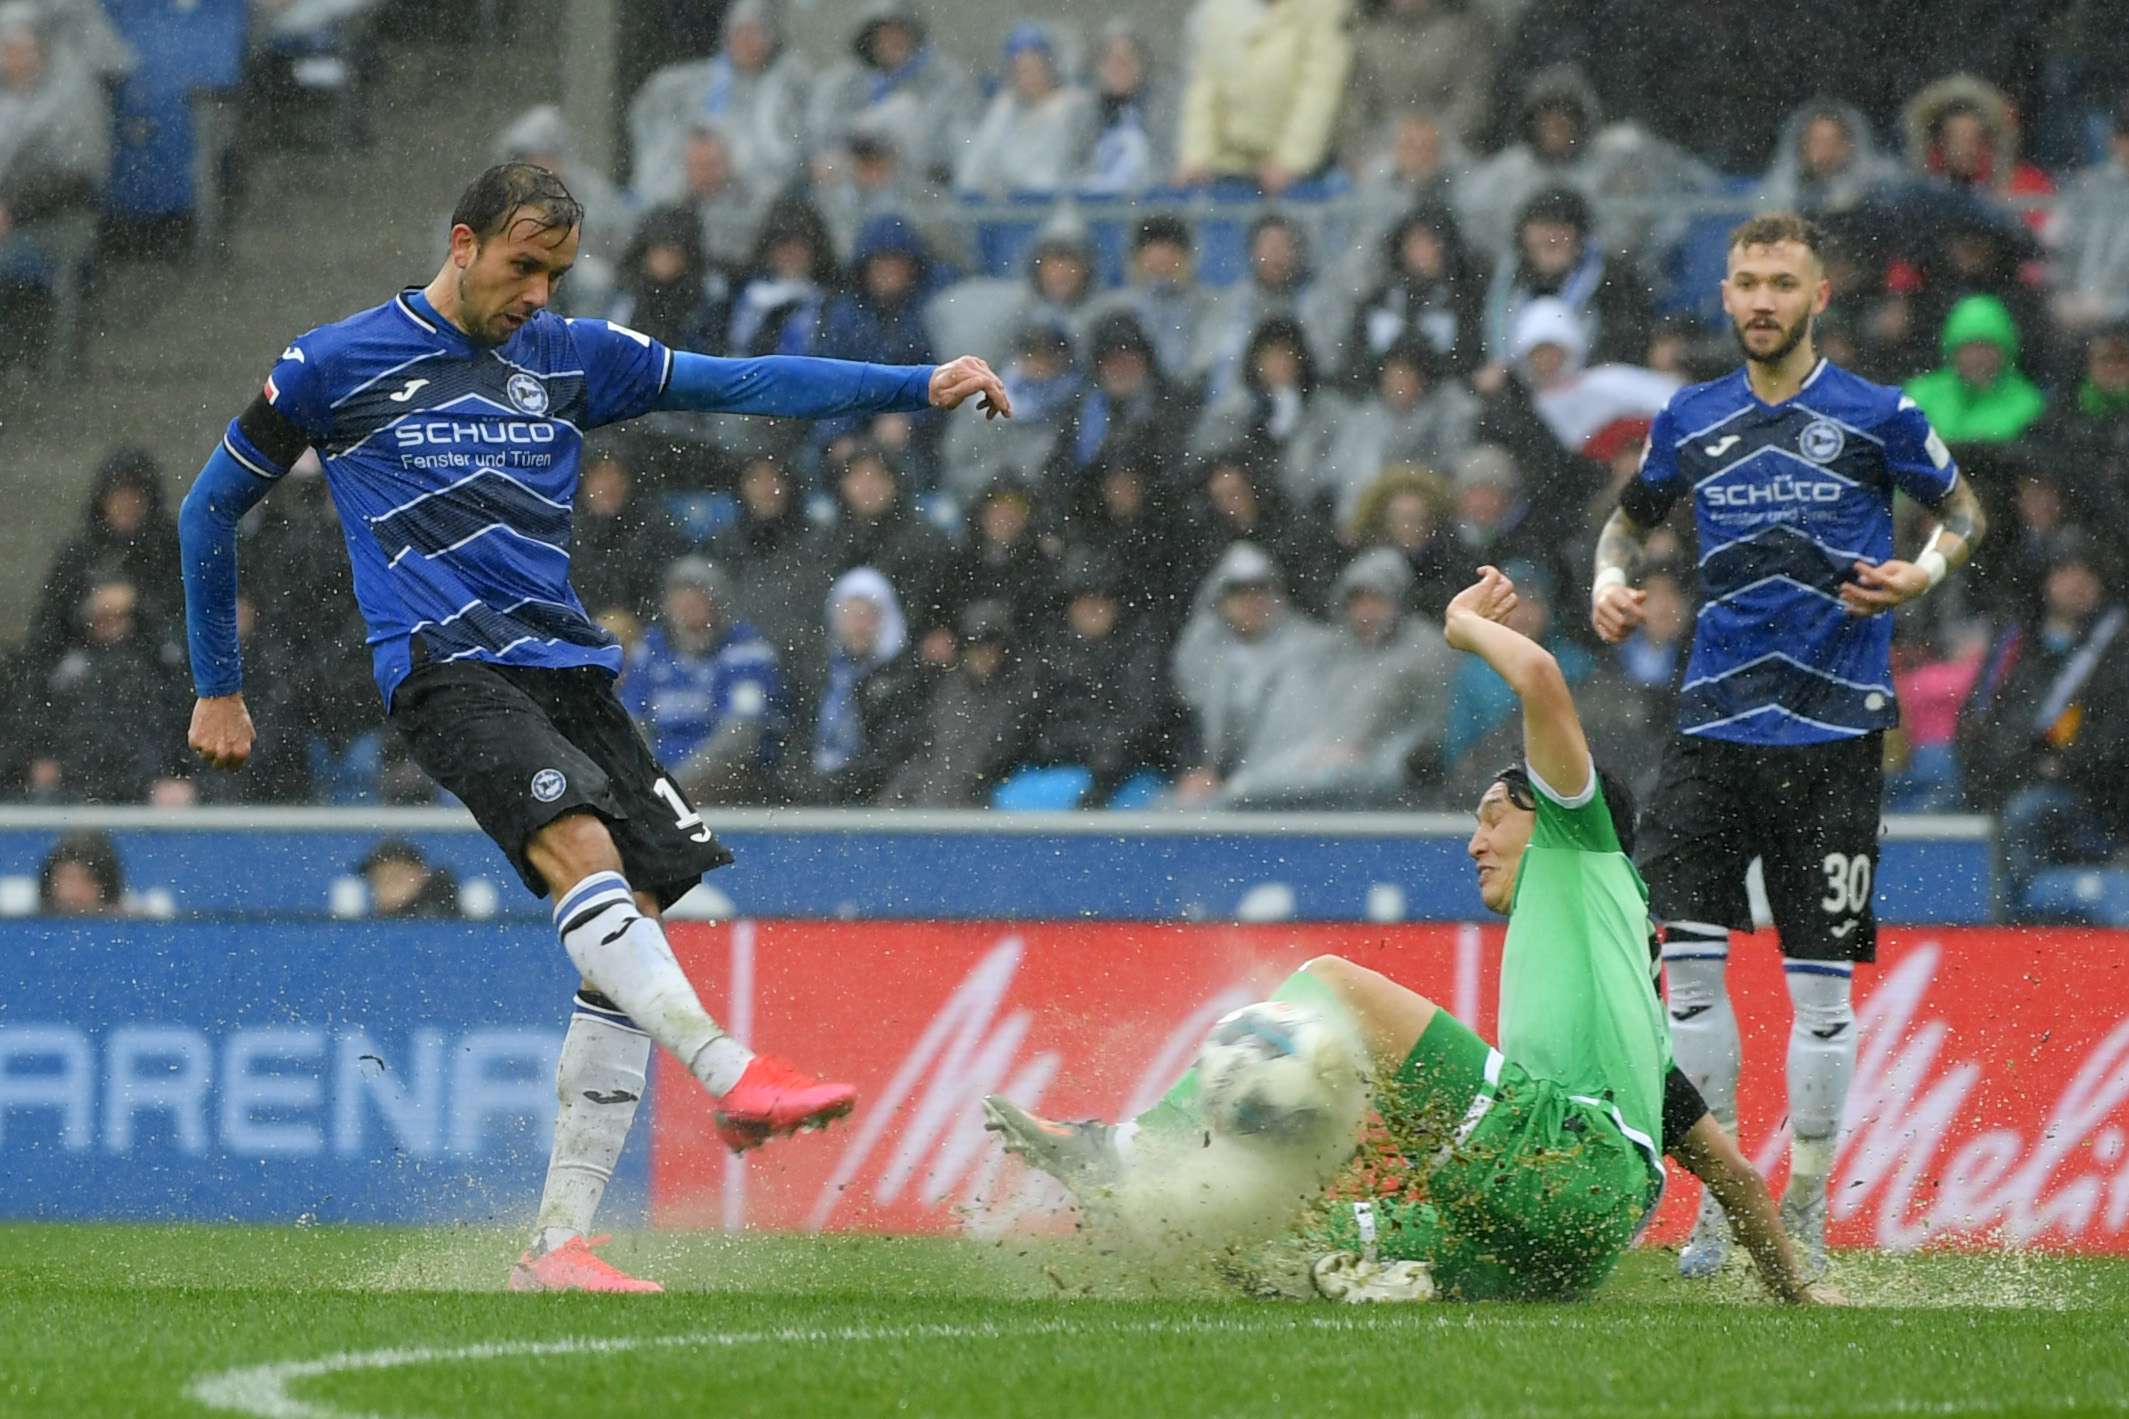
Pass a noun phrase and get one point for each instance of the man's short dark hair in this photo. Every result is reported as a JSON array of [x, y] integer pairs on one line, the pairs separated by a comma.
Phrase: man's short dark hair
[[1618, 798], [506, 189], [1173, 230], [1563, 205], [1772, 227]]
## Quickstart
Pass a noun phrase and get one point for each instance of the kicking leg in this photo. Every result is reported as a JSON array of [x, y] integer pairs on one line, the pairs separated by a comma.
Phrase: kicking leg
[[623, 954]]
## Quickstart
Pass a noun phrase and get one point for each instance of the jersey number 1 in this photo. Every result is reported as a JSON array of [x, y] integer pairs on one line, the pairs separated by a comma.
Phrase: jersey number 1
[[686, 819]]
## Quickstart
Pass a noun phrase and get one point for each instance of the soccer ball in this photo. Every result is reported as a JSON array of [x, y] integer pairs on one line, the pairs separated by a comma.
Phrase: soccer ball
[[1278, 1074]]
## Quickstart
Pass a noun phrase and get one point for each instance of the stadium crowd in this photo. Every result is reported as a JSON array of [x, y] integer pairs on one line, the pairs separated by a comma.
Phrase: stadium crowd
[[1473, 247]]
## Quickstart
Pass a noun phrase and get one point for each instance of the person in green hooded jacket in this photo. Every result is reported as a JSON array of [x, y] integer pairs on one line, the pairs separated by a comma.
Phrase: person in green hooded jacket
[[1979, 395]]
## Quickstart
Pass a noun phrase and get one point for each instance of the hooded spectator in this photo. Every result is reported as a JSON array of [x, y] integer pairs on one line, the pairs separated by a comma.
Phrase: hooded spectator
[[1433, 294], [1045, 384], [1281, 285], [1554, 147], [1128, 401], [1003, 562], [770, 553], [878, 527], [55, 145], [2088, 430], [788, 281], [125, 533], [881, 318], [1556, 254], [1104, 703], [1418, 166], [1241, 641], [979, 722], [2092, 230], [1413, 414], [1961, 132], [1034, 135], [755, 88], [668, 287], [1061, 288], [1134, 115], [1433, 56], [1283, 414], [1979, 395], [1827, 163], [871, 696], [109, 716], [1411, 511], [1121, 512], [622, 539], [900, 83], [1264, 88], [726, 204], [1364, 698], [1233, 500]]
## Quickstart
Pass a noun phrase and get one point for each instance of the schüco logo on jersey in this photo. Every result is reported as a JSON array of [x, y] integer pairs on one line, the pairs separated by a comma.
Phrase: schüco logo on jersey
[[439, 432], [1773, 491]]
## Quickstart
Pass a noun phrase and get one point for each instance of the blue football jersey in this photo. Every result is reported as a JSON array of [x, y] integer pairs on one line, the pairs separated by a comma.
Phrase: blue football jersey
[[453, 467], [1787, 498]]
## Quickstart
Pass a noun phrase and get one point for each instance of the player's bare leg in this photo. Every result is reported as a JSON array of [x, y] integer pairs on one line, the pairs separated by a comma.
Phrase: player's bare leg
[[624, 954]]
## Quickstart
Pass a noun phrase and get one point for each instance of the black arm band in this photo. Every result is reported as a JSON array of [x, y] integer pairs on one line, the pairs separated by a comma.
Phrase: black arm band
[[1644, 504], [272, 433]]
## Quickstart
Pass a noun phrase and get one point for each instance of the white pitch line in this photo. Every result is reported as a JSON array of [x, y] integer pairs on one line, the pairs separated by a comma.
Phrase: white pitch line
[[263, 1390]]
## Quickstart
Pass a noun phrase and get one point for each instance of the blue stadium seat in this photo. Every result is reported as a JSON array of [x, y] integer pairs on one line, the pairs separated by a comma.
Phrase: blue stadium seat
[[185, 50], [1052, 790], [2095, 895], [1142, 790], [701, 516], [1928, 784]]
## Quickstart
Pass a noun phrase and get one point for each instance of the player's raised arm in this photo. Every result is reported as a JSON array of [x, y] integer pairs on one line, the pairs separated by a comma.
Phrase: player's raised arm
[[802, 387], [1553, 743]]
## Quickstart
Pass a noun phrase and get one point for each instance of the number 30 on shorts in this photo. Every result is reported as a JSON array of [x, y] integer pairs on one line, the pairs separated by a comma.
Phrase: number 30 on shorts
[[688, 821], [1847, 883]]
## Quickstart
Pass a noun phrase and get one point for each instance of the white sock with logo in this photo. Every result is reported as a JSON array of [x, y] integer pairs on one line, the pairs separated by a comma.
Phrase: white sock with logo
[[624, 955], [599, 1081], [1696, 958], [1821, 1066]]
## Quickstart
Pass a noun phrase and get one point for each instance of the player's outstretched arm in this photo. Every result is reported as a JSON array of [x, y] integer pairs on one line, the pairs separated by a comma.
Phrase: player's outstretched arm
[[1553, 743], [1710, 1154], [802, 387], [225, 490], [1614, 602]]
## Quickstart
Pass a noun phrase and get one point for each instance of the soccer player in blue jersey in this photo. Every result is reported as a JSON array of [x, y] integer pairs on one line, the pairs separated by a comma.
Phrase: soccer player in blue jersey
[[1791, 464], [450, 420]]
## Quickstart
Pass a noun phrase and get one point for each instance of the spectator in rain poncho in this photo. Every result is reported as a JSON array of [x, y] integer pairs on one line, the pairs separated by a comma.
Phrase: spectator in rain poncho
[[1827, 162], [778, 308], [754, 89], [126, 531], [900, 82], [541, 135], [1979, 395], [1414, 412], [1266, 81], [1283, 413], [978, 724], [1429, 290], [1134, 115], [1557, 254], [1432, 56], [1358, 702], [1241, 641], [870, 696], [1170, 306], [2092, 221], [55, 143], [1281, 283], [669, 288], [1036, 130]]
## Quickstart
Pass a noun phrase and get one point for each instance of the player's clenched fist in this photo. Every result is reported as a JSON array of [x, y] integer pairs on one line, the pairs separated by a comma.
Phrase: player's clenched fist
[[957, 380], [1616, 611], [221, 731]]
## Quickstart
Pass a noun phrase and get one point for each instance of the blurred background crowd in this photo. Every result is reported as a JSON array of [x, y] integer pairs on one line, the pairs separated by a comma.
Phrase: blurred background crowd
[[1304, 316]]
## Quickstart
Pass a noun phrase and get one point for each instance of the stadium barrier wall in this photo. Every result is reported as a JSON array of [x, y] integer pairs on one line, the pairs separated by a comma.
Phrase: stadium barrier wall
[[980, 866], [403, 1072]]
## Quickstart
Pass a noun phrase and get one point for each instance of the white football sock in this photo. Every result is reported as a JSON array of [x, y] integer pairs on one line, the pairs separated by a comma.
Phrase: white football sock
[[1821, 1065], [1703, 1024], [624, 955], [599, 1081]]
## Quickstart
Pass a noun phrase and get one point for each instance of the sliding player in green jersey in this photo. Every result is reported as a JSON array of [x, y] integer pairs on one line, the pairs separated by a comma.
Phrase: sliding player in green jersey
[[1541, 1159]]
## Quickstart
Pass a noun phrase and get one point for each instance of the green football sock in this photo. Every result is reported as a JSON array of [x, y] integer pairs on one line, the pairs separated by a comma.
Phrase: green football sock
[[1178, 1113]]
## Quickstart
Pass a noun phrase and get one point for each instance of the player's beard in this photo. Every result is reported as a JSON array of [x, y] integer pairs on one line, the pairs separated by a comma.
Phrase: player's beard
[[1791, 338], [484, 332]]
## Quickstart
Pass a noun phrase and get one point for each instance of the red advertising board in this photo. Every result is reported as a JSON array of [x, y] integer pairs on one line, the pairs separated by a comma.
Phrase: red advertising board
[[1990, 1105]]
